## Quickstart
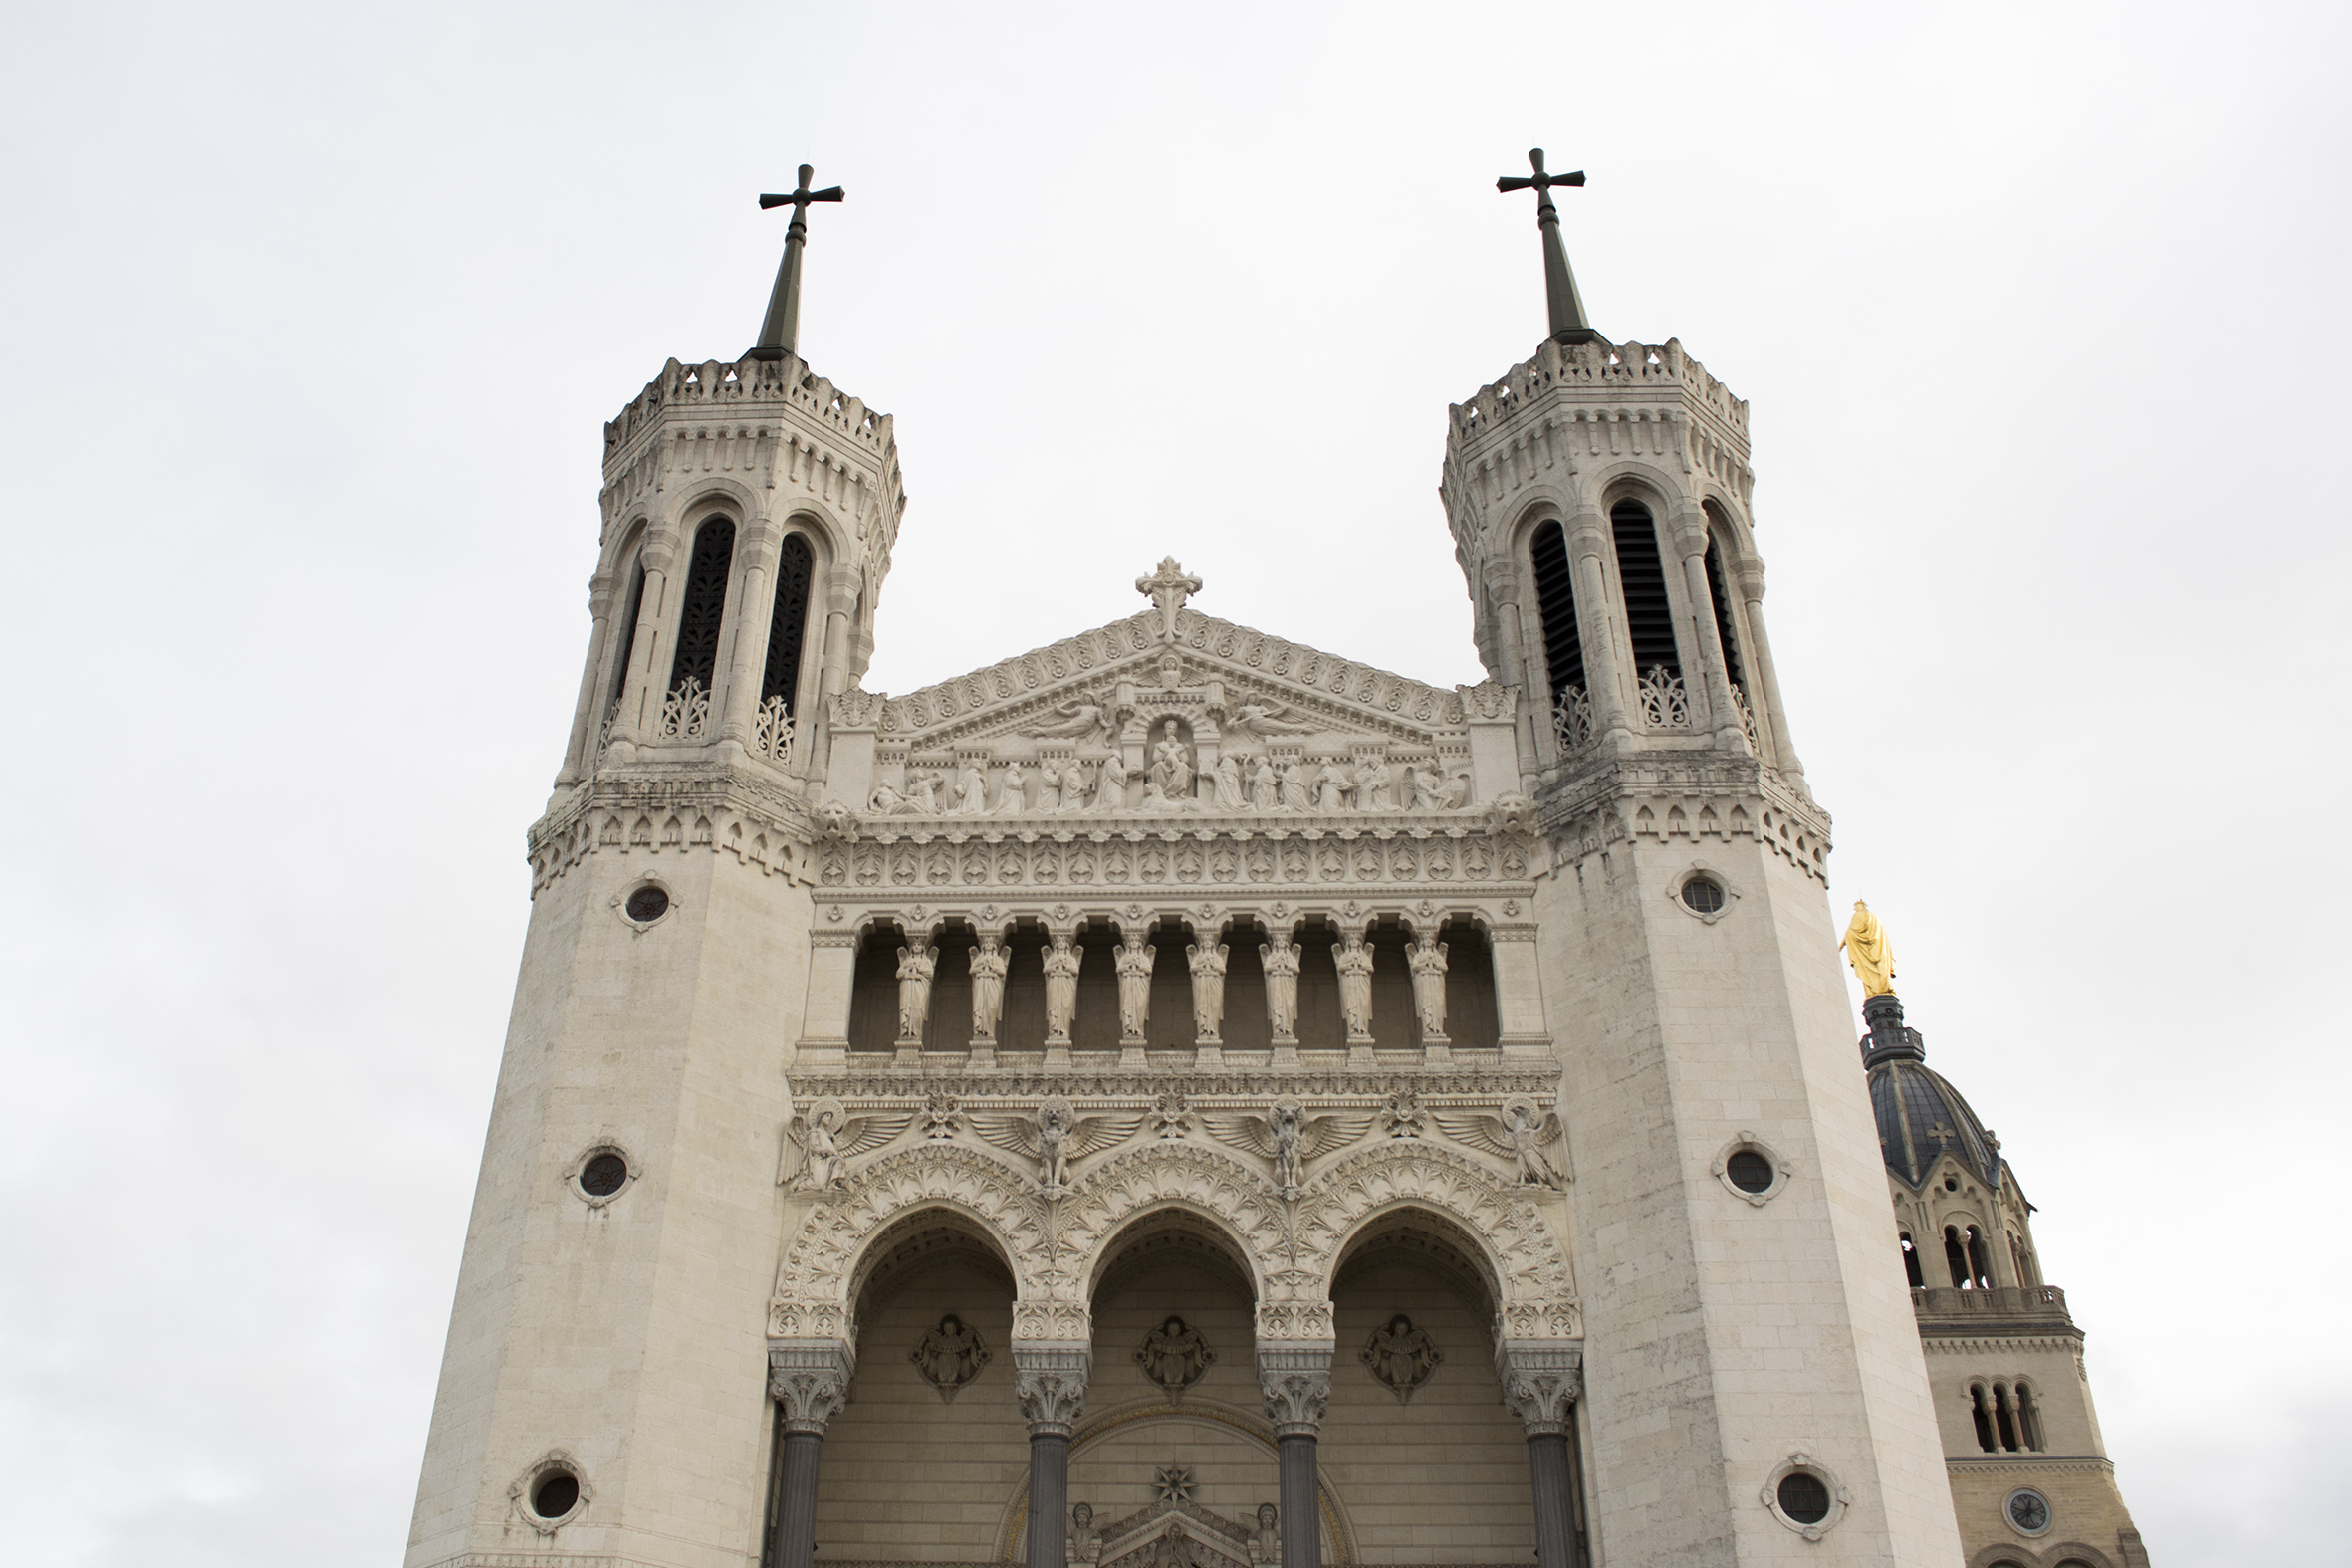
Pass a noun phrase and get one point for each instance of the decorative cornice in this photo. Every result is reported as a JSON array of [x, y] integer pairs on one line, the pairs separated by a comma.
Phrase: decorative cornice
[[712, 809], [1681, 797]]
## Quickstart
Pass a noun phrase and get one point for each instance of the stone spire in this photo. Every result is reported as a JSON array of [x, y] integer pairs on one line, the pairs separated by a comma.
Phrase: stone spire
[[1559, 283], [780, 330]]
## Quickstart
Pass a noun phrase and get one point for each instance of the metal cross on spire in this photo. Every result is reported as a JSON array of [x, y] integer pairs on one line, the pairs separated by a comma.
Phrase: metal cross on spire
[[1559, 285], [782, 330]]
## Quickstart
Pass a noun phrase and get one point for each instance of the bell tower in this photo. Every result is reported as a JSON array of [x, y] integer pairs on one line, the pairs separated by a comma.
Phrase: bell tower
[[1753, 1378], [605, 1367]]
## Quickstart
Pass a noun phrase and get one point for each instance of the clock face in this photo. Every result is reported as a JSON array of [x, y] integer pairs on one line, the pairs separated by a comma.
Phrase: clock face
[[2029, 1512]]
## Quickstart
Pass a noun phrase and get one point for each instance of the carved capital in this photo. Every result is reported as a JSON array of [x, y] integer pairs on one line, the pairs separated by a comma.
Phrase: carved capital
[[1052, 1388], [810, 1380], [1540, 1383], [1297, 1383]]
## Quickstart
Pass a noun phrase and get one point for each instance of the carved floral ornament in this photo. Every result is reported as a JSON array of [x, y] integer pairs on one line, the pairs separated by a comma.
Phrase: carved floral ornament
[[1291, 1247]]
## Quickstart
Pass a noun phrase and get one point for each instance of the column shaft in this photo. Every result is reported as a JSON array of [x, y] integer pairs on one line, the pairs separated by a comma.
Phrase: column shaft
[[1049, 1499], [580, 756], [1302, 1536], [754, 610], [794, 1545], [1760, 656], [1555, 1507], [1587, 543], [643, 686]]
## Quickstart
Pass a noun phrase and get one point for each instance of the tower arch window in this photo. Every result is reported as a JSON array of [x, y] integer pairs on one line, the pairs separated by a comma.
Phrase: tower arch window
[[1564, 648], [788, 624], [1649, 616], [1956, 1259], [625, 648], [1910, 1263], [1980, 1260], [694, 663], [1980, 1411]]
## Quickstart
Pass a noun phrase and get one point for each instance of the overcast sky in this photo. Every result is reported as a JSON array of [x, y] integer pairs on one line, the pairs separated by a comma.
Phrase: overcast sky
[[312, 315]]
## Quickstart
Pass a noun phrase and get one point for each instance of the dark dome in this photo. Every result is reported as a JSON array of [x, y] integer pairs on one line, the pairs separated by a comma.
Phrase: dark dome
[[1921, 1116]]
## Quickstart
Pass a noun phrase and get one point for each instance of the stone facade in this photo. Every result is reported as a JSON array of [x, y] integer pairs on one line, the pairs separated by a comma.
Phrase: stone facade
[[1174, 1096]]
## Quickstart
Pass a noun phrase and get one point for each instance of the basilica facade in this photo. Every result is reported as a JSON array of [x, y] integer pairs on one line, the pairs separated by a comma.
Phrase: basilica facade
[[1179, 1098]]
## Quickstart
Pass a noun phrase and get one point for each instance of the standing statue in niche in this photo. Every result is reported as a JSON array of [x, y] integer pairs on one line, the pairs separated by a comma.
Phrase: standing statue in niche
[[1015, 800], [1354, 962], [1062, 988], [1171, 764], [916, 965], [1134, 962], [1428, 963], [1265, 1542], [1281, 960], [1400, 1356], [1265, 785], [988, 965], [1296, 796], [1085, 1542], [1332, 787], [1111, 785], [1208, 989], [1868, 950], [949, 1356], [971, 792], [1227, 778], [1174, 1356]]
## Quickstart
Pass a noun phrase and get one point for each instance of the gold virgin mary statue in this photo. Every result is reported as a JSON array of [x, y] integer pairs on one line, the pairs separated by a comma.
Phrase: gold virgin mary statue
[[1867, 948]]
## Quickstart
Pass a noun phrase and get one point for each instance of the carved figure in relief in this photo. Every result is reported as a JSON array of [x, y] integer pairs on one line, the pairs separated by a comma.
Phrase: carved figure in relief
[[887, 802], [1868, 950], [1426, 959], [1296, 796], [971, 792], [1074, 786], [1458, 791], [916, 965], [1264, 720], [819, 1144], [1055, 1137], [1111, 785], [1227, 778], [988, 965], [1265, 785], [949, 1356], [1332, 787], [1429, 789], [1015, 798], [1174, 1356], [1208, 988], [1265, 1542], [1085, 1542], [1354, 962], [1401, 1357], [922, 796], [1372, 790], [1083, 719], [1520, 1135], [1062, 988], [1171, 764], [1280, 961], [1049, 791], [1173, 1549], [1133, 962], [1288, 1137]]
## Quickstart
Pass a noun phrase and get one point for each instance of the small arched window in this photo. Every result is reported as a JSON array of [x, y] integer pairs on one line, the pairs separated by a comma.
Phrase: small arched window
[[1980, 1260], [704, 611], [788, 623], [2029, 1420], [1979, 1408], [1910, 1263], [1955, 1257], [1563, 649]]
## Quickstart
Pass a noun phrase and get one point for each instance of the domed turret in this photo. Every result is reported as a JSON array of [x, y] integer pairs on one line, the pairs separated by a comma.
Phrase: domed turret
[[1922, 1118]]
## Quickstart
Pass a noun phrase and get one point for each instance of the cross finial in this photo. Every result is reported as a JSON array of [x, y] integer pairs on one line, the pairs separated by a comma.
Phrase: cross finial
[[1168, 588], [1559, 283], [782, 330]]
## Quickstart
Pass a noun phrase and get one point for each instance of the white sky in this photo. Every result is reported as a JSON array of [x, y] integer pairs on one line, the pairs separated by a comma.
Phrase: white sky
[[313, 313]]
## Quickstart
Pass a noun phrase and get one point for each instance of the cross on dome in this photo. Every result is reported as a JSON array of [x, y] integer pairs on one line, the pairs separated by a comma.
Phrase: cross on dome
[[1168, 588]]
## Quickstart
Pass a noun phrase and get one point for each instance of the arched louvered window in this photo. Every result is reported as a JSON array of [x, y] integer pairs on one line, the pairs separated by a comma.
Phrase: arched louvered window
[[1563, 649], [1723, 615], [685, 712], [626, 646], [1649, 617], [788, 624]]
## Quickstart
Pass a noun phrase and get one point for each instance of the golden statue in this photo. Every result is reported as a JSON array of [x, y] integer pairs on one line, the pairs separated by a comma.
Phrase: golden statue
[[1867, 948]]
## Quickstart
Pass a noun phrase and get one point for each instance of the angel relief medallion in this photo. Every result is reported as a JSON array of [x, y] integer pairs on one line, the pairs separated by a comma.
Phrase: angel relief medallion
[[1057, 1138], [1401, 1357], [1522, 1134], [818, 1145], [1289, 1138], [949, 1356], [1174, 1356]]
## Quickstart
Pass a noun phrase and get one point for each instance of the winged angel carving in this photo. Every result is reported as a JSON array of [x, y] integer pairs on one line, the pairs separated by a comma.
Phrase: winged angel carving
[[818, 1145], [1520, 1135], [1057, 1137], [1288, 1137]]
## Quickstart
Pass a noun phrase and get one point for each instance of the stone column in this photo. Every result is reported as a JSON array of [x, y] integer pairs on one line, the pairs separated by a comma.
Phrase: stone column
[[1296, 1379], [1503, 592], [1589, 550], [754, 608], [809, 1382], [642, 687], [1051, 1384], [580, 758], [1690, 539], [841, 600], [1759, 655], [1540, 1386]]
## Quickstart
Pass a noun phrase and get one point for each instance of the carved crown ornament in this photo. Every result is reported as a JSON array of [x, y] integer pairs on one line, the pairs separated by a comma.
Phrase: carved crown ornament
[[1290, 1205]]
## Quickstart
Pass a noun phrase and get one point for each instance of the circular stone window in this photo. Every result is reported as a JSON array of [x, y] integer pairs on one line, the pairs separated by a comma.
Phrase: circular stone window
[[2028, 1510], [1703, 896], [555, 1495], [648, 904], [1805, 1497], [1748, 1171], [604, 1175]]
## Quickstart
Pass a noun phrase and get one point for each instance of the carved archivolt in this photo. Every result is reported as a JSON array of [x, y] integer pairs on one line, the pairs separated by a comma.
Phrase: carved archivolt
[[1177, 1174]]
